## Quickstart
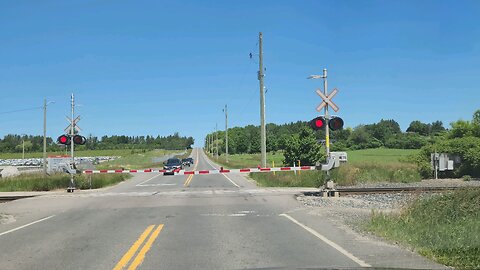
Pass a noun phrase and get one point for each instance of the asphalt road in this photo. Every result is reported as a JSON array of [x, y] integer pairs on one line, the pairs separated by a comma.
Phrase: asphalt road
[[184, 222]]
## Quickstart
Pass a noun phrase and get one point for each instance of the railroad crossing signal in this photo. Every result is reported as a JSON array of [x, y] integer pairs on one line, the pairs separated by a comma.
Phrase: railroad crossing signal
[[320, 123], [66, 139], [327, 100]]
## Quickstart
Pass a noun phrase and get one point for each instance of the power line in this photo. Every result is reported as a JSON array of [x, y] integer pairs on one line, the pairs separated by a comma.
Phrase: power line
[[22, 110]]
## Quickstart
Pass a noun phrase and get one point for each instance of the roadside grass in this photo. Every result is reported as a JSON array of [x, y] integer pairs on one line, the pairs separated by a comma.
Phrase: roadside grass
[[372, 172], [39, 182], [364, 166], [345, 175], [137, 160], [289, 179], [444, 228], [184, 155], [361, 157]]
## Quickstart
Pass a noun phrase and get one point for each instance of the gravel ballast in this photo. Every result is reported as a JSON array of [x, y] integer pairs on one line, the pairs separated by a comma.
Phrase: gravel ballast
[[355, 209]]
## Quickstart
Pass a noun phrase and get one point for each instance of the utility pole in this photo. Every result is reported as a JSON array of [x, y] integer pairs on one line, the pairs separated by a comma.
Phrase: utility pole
[[263, 140], [216, 140], [210, 140], [226, 134], [45, 136], [23, 148], [71, 186], [45, 104]]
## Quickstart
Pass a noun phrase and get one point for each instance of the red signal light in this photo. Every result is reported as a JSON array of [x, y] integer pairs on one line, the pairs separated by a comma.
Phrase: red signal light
[[63, 139], [318, 123]]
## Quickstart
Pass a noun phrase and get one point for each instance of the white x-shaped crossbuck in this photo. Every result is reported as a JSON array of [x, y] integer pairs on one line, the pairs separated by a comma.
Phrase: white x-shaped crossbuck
[[327, 100]]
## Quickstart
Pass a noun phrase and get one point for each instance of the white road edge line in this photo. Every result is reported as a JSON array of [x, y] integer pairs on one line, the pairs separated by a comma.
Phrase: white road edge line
[[208, 161], [328, 242], [26, 225], [139, 185], [231, 181]]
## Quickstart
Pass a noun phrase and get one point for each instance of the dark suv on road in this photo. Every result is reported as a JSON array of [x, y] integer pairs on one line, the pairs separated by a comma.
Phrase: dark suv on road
[[172, 165], [186, 162]]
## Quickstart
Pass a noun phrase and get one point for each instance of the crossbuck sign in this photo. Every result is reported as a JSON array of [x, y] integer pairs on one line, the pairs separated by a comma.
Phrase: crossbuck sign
[[327, 100]]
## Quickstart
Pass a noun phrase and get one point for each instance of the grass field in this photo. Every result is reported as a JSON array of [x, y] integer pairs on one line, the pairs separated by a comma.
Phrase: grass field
[[39, 182], [248, 160], [83, 153], [345, 175], [138, 160], [364, 166], [377, 155], [444, 228], [130, 158]]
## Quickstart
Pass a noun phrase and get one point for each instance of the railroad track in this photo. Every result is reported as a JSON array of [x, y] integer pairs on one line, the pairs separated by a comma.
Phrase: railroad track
[[379, 190], [12, 198]]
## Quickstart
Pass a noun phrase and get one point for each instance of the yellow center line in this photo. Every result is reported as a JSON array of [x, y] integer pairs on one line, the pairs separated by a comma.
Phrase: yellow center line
[[129, 254], [190, 176], [141, 255]]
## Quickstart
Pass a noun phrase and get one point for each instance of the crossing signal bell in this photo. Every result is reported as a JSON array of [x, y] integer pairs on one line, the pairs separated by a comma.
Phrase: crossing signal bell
[[77, 139], [320, 123]]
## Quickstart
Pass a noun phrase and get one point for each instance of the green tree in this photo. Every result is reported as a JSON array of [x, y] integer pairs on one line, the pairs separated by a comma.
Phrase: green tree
[[476, 117], [384, 129], [419, 127], [303, 147], [461, 129], [28, 146], [436, 127]]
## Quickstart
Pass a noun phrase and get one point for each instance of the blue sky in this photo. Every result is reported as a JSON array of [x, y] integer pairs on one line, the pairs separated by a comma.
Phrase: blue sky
[[158, 67]]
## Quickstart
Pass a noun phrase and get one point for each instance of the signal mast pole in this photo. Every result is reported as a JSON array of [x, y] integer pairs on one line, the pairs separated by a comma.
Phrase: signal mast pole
[[216, 141], [72, 129], [327, 117], [71, 186], [226, 134]]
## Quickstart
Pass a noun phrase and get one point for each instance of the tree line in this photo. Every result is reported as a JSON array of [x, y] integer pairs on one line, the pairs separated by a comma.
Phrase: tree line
[[385, 133], [299, 142], [12, 143]]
